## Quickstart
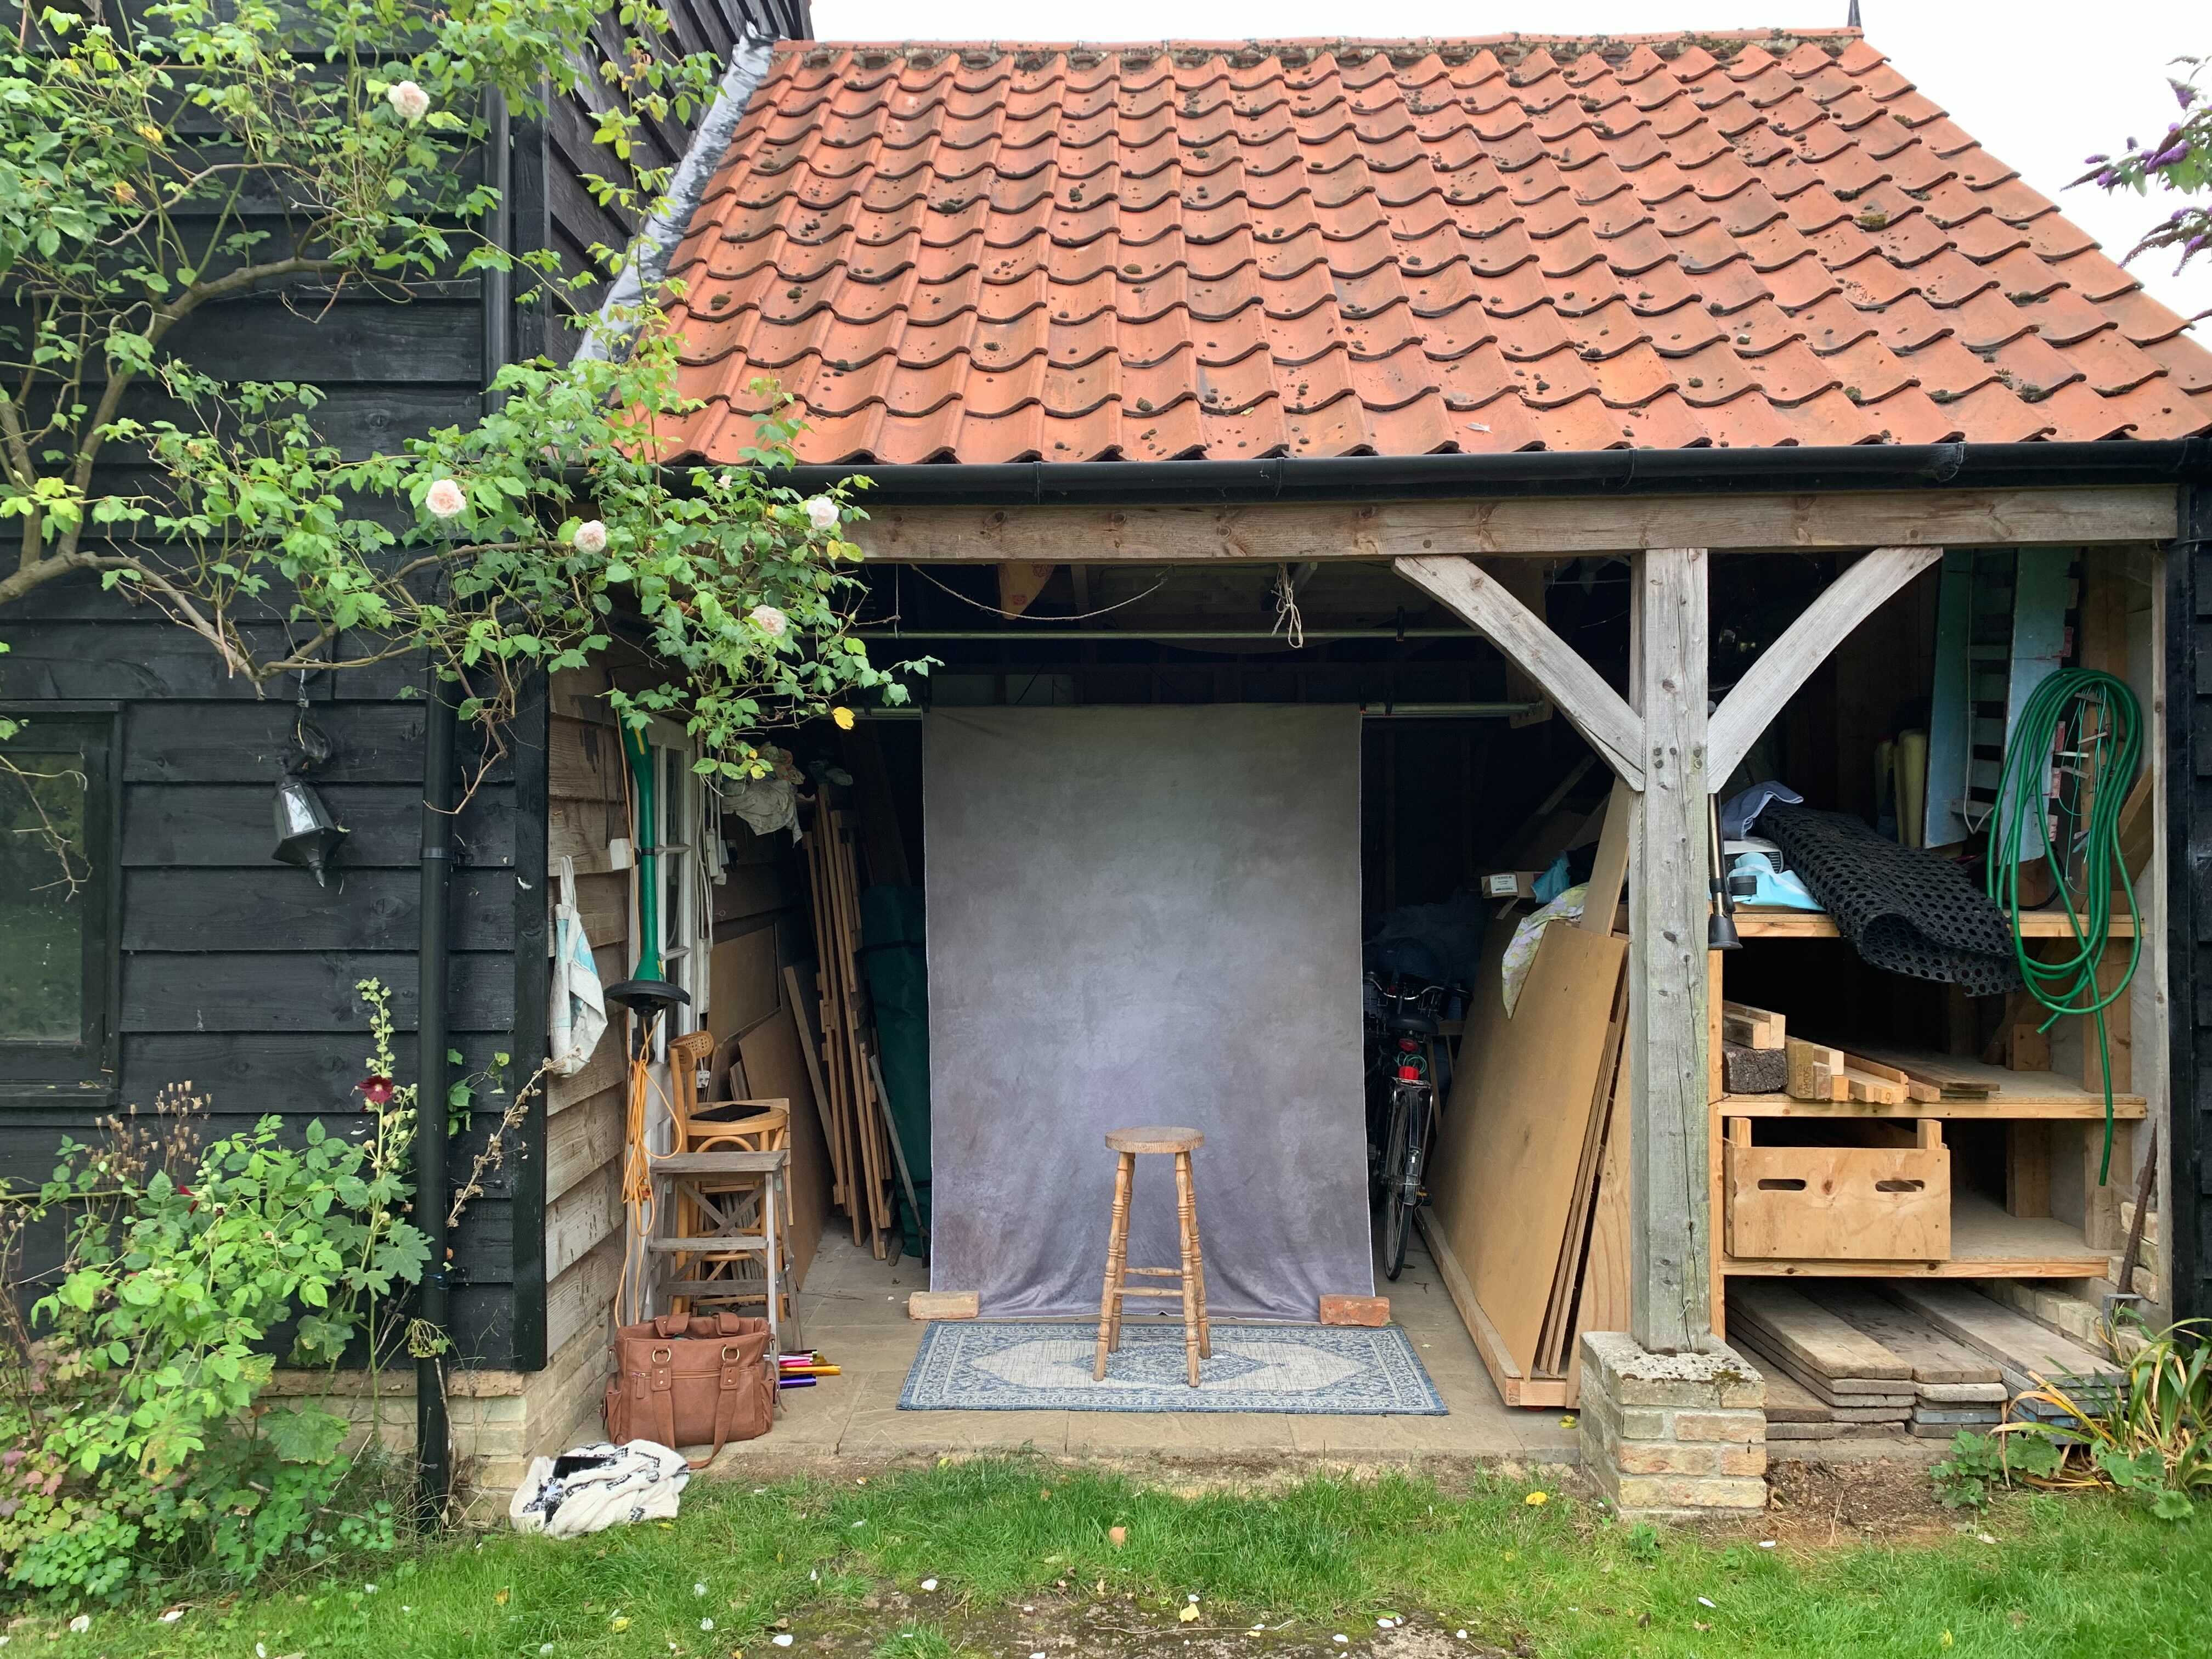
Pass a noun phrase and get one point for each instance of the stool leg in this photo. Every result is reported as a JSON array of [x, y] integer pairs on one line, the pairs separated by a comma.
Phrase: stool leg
[[1117, 1250], [1186, 1228], [1198, 1265]]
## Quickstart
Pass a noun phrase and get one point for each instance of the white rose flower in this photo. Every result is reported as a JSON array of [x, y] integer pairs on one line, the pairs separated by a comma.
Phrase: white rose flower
[[445, 499], [821, 514], [411, 102], [591, 536], [769, 620]]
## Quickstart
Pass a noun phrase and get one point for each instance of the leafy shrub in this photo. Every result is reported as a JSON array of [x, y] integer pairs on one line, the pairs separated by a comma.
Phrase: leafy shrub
[[2150, 1440], [137, 1441]]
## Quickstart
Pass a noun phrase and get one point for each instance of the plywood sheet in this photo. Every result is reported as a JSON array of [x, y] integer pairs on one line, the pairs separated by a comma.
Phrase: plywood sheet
[[775, 1069], [1514, 1134], [741, 982]]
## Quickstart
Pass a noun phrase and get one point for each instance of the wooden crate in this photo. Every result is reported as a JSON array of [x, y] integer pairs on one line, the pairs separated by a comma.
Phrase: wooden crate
[[1882, 1203]]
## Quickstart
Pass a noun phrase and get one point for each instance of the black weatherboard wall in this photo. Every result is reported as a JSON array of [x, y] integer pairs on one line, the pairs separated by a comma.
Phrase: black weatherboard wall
[[234, 973], [2188, 761]]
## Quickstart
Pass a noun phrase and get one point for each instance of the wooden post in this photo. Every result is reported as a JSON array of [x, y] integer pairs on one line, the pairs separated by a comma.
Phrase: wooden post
[[1670, 1296]]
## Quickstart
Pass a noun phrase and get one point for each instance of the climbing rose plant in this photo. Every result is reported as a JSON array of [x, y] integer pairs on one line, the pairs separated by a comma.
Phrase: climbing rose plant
[[2179, 160], [154, 165]]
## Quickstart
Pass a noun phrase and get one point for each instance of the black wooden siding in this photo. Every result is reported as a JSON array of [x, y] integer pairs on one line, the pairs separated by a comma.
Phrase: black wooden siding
[[237, 974], [2188, 763]]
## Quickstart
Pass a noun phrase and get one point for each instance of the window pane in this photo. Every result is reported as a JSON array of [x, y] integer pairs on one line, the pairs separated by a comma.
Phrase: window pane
[[43, 904]]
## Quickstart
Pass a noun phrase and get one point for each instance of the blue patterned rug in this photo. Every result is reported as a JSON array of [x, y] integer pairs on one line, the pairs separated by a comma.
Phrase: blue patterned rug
[[974, 1365]]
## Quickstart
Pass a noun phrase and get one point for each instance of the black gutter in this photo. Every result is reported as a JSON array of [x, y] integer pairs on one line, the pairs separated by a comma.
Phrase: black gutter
[[433, 1444], [1535, 472]]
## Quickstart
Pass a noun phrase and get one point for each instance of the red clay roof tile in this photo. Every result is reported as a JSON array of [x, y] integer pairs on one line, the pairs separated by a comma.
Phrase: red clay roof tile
[[967, 253]]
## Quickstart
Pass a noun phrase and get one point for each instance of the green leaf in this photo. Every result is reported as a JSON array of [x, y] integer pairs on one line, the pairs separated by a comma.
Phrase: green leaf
[[2172, 1505], [303, 1435]]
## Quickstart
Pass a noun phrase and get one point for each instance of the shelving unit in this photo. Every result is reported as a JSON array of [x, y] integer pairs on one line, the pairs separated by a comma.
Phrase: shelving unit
[[2016, 1238]]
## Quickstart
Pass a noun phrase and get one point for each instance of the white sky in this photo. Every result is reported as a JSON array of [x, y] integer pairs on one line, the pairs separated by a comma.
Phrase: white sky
[[2040, 85]]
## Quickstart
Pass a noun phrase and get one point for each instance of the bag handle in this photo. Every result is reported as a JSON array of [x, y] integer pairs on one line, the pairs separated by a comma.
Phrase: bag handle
[[730, 1385]]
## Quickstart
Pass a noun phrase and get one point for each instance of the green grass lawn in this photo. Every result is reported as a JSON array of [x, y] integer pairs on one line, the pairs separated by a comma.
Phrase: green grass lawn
[[1024, 1561]]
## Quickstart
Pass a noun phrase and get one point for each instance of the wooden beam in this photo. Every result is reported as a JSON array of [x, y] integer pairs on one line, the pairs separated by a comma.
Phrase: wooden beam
[[1593, 707], [1553, 527], [1670, 1289], [1751, 704]]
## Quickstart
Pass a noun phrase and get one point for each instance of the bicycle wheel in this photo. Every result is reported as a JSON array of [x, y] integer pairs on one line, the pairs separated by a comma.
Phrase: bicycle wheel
[[1399, 1189]]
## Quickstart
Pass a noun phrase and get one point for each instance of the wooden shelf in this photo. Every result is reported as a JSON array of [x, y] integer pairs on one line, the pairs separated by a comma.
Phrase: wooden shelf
[[2012, 1095], [1985, 1243], [1818, 924]]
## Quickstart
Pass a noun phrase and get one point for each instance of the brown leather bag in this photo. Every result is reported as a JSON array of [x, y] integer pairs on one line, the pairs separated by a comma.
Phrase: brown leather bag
[[689, 1382]]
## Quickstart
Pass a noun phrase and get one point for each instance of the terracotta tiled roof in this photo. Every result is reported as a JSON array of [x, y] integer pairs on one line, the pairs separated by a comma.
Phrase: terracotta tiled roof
[[975, 253]]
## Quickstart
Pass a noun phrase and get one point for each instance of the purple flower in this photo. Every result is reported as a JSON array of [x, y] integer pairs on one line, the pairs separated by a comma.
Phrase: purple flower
[[2095, 160], [2107, 178], [2183, 94], [2167, 158]]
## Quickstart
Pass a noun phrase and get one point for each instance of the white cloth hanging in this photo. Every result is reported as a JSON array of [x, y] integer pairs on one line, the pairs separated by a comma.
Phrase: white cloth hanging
[[578, 1016], [596, 1487]]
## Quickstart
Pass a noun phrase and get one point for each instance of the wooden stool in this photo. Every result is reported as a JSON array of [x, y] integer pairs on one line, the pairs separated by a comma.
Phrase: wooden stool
[[1196, 1340]]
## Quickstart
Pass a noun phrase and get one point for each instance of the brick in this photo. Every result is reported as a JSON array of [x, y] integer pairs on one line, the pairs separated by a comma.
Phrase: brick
[[1666, 1457], [1355, 1310], [942, 1304], [1743, 1426], [1629, 1377], [1743, 1460], [1688, 1493]]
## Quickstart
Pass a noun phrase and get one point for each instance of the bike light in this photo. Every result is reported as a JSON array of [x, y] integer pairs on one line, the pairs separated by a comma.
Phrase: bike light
[[1406, 1045], [1409, 1074]]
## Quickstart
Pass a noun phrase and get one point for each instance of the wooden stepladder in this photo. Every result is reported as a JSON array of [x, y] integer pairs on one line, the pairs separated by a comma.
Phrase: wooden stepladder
[[1190, 1273]]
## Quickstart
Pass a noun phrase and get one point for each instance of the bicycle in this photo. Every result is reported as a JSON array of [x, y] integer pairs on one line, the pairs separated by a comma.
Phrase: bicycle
[[1401, 1103]]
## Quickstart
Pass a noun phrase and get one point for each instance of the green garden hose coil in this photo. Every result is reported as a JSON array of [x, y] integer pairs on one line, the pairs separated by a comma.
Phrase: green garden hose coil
[[2083, 727]]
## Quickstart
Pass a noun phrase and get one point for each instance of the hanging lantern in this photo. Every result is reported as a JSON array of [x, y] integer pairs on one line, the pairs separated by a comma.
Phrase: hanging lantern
[[306, 833]]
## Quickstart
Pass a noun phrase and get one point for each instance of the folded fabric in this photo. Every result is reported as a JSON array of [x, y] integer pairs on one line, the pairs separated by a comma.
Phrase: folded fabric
[[596, 1487], [1521, 949]]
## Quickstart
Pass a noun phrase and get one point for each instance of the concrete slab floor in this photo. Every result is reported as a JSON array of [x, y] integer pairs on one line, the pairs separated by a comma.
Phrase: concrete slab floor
[[853, 1308]]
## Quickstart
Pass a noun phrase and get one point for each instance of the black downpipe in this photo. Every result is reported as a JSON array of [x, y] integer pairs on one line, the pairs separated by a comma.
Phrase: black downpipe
[[2188, 842], [433, 1443]]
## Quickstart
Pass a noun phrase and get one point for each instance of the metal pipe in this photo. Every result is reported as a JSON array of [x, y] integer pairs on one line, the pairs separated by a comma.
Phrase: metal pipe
[[433, 1446], [1387, 711]]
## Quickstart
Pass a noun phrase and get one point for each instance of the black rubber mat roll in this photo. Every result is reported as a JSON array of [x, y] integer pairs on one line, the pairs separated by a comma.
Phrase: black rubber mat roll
[[1904, 909]]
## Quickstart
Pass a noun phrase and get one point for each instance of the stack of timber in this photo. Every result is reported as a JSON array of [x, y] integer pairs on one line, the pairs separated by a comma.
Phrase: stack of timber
[[1753, 1057], [1528, 1216], [1834, 1364], [842, 1049], [1954, 1387], [2029, 1357]]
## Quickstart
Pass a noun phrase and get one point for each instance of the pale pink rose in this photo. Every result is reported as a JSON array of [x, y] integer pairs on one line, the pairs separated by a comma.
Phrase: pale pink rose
[[591, 536], [821, 514], [768, 619], [409, 99], [445, 499]]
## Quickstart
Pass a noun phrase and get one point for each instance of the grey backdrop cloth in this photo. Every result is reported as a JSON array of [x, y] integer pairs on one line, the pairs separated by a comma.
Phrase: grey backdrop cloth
[[1145, 915]]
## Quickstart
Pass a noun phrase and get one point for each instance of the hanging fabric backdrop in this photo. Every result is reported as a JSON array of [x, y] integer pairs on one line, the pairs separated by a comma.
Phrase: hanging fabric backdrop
[[1145, 915]]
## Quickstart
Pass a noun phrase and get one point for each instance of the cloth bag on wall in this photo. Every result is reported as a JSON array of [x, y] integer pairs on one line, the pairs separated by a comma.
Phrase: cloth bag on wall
[[578, 1017]]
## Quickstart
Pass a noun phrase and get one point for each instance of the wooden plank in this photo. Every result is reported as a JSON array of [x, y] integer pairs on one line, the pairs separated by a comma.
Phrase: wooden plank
[[1608, 877], [1559, 1311], [775, 1064], [1501, 1183], [1534, 527], [582, 1297], [1592, 707], [583, 760], [1602, 1302], [2013, 1339], [1515, 1387], [1670, 1306], [588, 1211], [2028, 1169], [1818, 924], [1814, 1338], [1754, 1028], [1816, 1071], [227, 825], [264, 910], [1759, 693], [606, 1070], [1935, 1357], [296, 991], [583, 1139]]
